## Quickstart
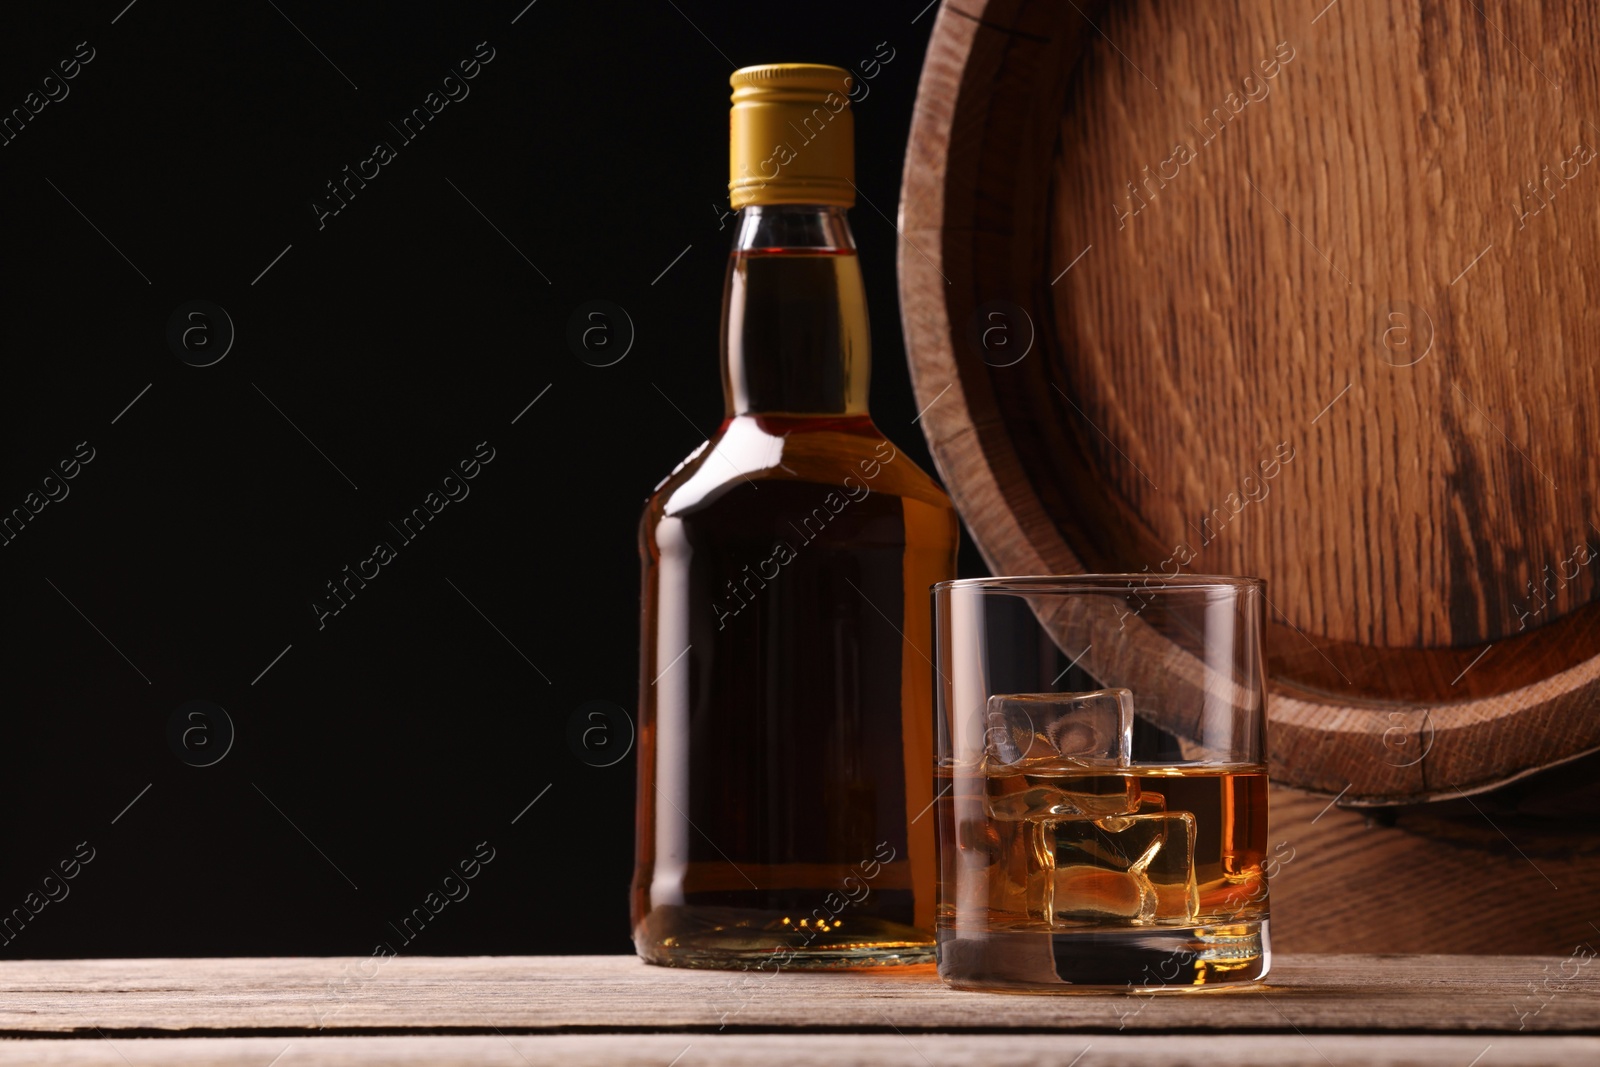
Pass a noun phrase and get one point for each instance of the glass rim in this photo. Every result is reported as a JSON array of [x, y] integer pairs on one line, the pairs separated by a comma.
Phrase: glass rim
[[1101, 583]]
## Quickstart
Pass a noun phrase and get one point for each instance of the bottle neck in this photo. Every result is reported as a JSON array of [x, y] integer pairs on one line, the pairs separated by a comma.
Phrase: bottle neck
[[795, 339]]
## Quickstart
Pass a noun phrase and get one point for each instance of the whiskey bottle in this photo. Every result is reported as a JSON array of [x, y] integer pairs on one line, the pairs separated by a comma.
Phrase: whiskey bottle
[[785, 743]]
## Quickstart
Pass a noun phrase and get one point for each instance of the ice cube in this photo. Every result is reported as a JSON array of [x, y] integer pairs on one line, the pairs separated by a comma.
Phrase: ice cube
[[1013, 796], [1048, 755], [1147, 802], [1059, 731], [1137, 868]]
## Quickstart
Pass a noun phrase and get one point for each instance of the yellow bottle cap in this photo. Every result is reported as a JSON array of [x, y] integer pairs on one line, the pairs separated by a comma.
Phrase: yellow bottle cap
[[791, 136]]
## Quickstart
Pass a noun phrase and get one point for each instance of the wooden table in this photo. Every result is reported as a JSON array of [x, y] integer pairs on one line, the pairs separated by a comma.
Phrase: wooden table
[[513, 1011]]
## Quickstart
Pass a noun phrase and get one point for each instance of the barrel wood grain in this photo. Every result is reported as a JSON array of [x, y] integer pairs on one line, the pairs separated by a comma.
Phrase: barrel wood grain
[[1471, 875], [1187, 333]]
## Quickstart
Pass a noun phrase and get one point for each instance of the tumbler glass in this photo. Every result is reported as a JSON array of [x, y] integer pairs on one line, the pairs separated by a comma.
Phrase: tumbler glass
[[1101, 782]]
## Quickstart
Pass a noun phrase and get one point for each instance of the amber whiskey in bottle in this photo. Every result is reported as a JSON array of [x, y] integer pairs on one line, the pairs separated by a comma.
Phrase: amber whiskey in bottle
[[785, 743]]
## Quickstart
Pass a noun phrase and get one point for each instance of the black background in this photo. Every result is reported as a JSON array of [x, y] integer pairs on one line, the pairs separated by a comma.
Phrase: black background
[[370, 358]]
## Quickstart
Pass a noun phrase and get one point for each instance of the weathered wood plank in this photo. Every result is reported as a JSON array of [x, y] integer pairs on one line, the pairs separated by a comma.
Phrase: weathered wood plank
[[1304, 994], [833, 1050]]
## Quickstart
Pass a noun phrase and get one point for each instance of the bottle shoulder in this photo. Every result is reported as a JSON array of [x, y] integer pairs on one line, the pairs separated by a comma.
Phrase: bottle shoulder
[[848, 455]]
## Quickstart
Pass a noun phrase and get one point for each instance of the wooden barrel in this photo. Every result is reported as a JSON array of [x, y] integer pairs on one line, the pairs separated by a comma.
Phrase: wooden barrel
[[1257, 288]]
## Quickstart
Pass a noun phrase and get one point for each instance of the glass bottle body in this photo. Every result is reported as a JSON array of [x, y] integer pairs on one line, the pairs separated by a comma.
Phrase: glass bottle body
[[786, 753]]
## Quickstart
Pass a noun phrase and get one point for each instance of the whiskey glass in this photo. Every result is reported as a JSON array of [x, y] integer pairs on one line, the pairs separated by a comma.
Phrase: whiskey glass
[[1101, 782]]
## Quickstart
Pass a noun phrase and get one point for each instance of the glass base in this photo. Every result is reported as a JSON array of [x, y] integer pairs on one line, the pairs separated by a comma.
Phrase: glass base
[[746, 939], [1127, 959]]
